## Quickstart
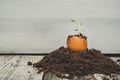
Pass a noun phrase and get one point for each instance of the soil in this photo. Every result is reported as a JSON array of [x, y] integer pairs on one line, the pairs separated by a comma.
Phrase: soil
[[118, 60], [78, 36], [63, 61], [29, 63]]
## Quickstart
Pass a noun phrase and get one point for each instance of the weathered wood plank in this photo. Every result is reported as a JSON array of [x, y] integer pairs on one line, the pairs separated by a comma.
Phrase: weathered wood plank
[[8, 67], [16, 68]]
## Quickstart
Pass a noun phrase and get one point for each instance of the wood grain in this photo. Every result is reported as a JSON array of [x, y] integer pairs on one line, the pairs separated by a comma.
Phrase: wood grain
[[16, 68]]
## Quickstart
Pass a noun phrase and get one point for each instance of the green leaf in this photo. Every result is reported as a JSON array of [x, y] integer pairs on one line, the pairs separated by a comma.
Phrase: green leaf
[[76, 29], [73, 20], [81, 23]]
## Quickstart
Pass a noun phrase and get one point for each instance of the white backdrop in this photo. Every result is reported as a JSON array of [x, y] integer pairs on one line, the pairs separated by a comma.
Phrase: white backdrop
[[43, 25]]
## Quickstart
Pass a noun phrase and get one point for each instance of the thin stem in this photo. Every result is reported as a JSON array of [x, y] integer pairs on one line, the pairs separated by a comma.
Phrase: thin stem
[[79, 25]]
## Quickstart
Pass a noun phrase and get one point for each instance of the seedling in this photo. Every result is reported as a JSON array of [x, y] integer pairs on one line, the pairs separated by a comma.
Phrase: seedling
[[78, 26]]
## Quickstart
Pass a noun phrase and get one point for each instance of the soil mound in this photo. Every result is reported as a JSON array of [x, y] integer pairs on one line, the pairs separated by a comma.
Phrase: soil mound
[[64, 61]]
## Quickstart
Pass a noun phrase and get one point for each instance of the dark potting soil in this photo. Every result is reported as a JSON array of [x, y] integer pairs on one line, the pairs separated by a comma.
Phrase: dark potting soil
[[63, 61], [29, 63], [118, 60], [78, 36]]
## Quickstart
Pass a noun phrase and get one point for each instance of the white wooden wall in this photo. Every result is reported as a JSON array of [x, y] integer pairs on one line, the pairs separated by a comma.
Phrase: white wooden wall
[[43, 25]]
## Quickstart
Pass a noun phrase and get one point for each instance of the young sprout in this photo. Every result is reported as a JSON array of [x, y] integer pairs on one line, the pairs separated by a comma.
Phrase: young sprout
[[78, 26]]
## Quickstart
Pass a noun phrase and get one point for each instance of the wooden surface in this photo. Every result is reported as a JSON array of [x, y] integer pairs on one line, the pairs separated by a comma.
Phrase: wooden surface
[[16, 68]]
